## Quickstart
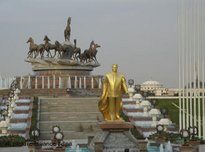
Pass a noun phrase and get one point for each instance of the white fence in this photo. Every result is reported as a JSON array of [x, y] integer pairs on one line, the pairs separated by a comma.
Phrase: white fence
[[5, 82], [52, 82]]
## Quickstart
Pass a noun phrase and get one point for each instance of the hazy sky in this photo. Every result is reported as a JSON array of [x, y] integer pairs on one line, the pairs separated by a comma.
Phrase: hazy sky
[[139, 35]]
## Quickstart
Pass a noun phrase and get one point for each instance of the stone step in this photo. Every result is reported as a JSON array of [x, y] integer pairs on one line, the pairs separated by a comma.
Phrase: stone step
[[68, 135], [76, 116], [70, 109], [70, 116], [18, 120], [69, 104], [69, 125], [69, 100]]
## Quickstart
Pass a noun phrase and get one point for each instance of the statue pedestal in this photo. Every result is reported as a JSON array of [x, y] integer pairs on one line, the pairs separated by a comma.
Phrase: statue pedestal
[[114, 136]]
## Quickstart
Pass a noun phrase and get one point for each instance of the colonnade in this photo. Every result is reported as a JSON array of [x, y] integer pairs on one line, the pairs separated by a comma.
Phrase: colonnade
[[6, 82], [48, 82]]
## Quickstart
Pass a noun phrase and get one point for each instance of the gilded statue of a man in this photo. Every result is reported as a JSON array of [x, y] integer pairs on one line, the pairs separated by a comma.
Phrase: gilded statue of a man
[[114, 86]]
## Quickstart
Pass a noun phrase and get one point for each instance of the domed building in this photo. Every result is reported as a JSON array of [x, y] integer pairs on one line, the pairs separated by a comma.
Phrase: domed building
[[153, 87]]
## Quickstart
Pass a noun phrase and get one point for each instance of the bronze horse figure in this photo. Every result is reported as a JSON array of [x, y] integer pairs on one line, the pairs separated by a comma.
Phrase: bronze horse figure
[[63, 49], [90, 54], [48, 46], [82, 57], [76, 51], [35, 49], [59, 48]]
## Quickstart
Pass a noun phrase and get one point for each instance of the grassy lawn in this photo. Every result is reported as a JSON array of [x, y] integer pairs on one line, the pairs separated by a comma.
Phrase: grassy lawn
[[173, 112]]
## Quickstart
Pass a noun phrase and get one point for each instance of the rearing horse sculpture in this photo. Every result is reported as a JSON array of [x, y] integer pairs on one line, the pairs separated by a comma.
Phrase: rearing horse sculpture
[[67, 30], [35, 49], [91, 52]]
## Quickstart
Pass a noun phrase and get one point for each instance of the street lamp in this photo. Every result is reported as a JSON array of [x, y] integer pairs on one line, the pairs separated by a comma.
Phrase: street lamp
[[145, 95], [185, 135], [165, 122], [137, 88], [164, 112], [4, 113], [56, 129], [154, 102], [35, 134], [68, 90], [137, 97], [130, 82], [146, 104], [160, 128], [193, 131], [59, 137], [154, 113]]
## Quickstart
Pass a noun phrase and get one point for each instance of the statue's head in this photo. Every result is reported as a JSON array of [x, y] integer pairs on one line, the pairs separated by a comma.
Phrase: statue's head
[[114, 67]]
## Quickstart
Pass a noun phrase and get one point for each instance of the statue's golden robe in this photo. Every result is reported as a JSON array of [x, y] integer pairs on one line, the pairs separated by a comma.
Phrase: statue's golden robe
[[114, 86]]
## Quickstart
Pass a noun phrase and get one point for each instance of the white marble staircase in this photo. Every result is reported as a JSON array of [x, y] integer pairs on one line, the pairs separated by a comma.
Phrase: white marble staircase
[[20, 120]]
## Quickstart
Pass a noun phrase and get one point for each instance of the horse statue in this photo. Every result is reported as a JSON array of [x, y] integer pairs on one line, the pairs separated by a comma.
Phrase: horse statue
[[64, 51], [59, 48], [83, 57], [76, 51], [35, 49], [90, 53], [67, 30], [48, 46]]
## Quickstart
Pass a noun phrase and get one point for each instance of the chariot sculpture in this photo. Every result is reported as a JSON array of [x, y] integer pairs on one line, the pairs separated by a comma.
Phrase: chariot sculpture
[[65, 50]]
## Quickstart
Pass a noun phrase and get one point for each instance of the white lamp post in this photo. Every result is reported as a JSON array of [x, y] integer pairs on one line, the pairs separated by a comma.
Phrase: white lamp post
[[146, 104], [4, 127], [137, 97], [131, 92], [165, 122], [59, 137], [154, 113]]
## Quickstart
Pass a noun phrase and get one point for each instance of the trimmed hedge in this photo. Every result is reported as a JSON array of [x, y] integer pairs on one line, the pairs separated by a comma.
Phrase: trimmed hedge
[[12, 141], [34, 115]]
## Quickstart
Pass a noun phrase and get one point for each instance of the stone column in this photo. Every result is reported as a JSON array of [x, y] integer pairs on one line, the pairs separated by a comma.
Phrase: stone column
[[21, 83], [92, 83], [42, 83], [100, 83], [75, 82], [0, 81], [36, 83], [69, 82], [84, 81], [54, 81], [29, 82], [48, 83], [80, 82], [59, 82]]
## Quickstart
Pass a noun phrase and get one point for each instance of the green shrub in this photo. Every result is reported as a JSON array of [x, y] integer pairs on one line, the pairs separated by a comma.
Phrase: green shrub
[[12, 141]]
